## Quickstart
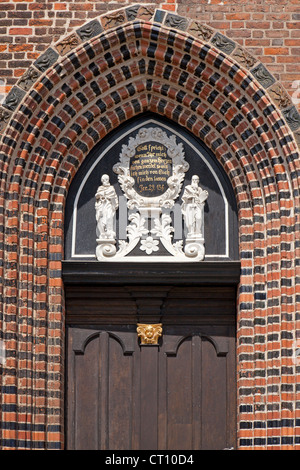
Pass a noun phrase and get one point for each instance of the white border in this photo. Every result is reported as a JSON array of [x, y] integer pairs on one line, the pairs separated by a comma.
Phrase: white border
[[155, 258]]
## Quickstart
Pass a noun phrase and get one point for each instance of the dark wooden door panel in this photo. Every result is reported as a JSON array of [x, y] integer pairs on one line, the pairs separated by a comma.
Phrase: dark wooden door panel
[[177, 395], [214, 398], [100, 389], [83, 386], [148, 377], [196, 396]]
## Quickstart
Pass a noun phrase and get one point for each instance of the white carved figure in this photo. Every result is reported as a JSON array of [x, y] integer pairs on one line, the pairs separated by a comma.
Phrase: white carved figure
[[106, 206], [192, 208]]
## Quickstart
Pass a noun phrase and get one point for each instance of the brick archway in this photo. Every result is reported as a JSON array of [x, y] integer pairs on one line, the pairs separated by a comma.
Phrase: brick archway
[[113, 68]]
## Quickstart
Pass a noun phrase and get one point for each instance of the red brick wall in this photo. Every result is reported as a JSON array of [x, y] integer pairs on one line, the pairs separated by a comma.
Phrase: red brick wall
[[269, 29], [237, 113]]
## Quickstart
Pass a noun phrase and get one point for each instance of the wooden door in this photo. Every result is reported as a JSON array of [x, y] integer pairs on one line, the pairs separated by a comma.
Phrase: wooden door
[[178, 395]]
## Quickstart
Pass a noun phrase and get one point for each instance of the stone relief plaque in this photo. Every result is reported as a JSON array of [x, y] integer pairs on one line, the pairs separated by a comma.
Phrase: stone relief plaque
[[151, 172]]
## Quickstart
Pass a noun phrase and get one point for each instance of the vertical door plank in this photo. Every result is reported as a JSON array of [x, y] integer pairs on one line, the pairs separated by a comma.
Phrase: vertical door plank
[[162, 398], [136, 399], [120, 396], [214, 398], [70, 392], [196, 392], [179, 398], [103, 391], [86, 385], [149, 397]]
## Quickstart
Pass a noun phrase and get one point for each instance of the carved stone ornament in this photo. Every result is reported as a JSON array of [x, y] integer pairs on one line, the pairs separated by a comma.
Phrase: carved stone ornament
[[106, 206], [149, 334], [223, 43], [280, 96], [131, 12], [14, 98], [67, 44], [192, 208], [263, 75], [297, 137], [146, 12], [5, 115], [91, 29], [292, 117], [127, 178], [113, 19], [28, 78], [176, 21], [151, 172], [244, 57], [45, 60], [200, 30]]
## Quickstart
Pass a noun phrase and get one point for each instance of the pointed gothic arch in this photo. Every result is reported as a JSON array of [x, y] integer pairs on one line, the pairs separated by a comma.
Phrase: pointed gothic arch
[[117, 66]]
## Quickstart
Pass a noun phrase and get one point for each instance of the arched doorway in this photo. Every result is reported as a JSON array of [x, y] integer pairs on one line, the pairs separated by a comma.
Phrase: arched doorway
[[121, 67], [128, 393]]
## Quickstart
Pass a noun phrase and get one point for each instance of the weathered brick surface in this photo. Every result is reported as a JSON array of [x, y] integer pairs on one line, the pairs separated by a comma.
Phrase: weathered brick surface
[[269, 29], [94, 78]]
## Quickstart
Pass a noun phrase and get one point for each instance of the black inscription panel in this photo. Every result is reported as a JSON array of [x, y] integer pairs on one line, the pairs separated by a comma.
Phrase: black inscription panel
[[151, 167]]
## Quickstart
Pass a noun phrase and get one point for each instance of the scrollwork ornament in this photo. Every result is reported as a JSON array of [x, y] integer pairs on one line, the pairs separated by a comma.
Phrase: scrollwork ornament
[[194, 250], [157, 155], [179, 167], [106, 250]]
